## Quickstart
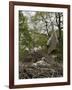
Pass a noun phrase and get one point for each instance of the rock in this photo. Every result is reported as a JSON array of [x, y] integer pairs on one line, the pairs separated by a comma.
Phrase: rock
[[28, 58], [21, 67], [34, 65], [52, 42], [41, 64], [43, 58], [49, 59]]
